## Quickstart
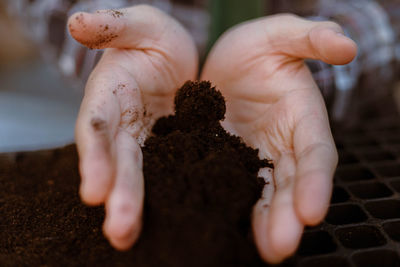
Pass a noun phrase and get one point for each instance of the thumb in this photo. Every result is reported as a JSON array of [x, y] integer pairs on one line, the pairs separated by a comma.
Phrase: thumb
[[168, 49], [301, 38], [98, 30], [127, 28]]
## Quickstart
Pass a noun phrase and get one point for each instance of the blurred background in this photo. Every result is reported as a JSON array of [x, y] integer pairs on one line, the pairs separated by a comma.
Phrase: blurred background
[[43, 71], [38, 107]]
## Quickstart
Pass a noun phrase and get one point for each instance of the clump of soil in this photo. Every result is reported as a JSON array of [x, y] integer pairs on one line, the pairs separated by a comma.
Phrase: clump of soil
[[201, 184]]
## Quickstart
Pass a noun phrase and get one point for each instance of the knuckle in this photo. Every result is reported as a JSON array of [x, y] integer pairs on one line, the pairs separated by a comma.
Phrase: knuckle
[[99, 126], [284, 181], [283, 18], [331, 24], [287, 16], [127, 209]]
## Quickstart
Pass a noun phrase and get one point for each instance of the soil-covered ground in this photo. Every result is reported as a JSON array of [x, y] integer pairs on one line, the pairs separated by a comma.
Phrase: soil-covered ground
[[200, 182]]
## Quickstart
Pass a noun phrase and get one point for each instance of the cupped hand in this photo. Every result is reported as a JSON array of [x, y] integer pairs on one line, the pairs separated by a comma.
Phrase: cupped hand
[[275, 105], [148, 56]]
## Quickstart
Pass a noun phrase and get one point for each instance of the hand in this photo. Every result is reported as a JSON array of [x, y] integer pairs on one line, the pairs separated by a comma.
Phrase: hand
[[148, 56], [274, 104]]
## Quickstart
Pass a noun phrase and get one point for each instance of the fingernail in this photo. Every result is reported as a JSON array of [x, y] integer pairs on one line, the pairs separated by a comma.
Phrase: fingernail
[[341, 34]]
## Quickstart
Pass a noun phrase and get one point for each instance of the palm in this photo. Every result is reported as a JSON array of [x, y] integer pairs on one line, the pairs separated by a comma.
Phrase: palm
[[274, 105], [138, 103], [266, 112]]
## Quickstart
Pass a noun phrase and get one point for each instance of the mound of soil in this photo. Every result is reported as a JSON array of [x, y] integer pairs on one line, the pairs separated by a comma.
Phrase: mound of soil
[[201, 184]]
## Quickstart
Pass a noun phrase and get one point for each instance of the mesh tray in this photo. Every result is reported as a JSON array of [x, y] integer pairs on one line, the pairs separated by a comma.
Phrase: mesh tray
[[362, 227]]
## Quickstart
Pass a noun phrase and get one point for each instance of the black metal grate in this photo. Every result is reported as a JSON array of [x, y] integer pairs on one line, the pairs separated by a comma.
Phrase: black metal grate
[[362, 227]]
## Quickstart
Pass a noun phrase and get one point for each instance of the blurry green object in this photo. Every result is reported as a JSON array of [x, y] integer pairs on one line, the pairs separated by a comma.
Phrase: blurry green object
[[227, 13]]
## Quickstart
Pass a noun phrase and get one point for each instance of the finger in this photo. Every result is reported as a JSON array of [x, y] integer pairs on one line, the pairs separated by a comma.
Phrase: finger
[[124, 204], [277, 229], [124, 28], [331, 46], [95, 128], [98, 30], [139, 27], [317, 158], [301, 38]]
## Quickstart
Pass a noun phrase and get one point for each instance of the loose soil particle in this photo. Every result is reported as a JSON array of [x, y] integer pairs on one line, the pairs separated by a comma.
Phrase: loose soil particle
[[201, 184]]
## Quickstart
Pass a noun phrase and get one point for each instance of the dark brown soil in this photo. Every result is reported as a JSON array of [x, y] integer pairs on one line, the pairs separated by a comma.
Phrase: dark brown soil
[[201, 184]]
